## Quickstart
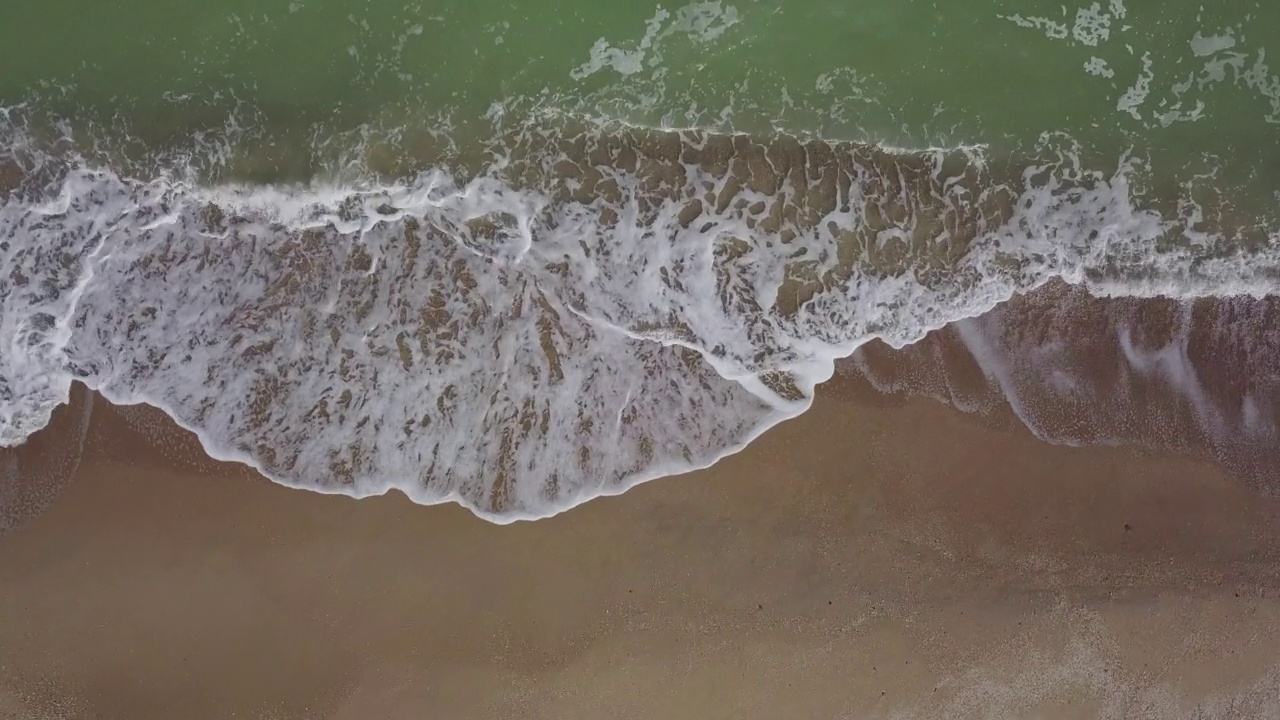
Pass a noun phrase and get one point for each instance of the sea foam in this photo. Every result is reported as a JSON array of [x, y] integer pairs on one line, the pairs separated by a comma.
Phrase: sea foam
[[594, 308]]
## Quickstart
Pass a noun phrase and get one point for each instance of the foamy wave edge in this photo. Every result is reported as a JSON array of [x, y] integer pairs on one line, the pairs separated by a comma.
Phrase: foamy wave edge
[[689, 290]]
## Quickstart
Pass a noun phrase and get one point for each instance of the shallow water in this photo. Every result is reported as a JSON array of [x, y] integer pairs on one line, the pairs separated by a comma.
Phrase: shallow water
[[521, 256]]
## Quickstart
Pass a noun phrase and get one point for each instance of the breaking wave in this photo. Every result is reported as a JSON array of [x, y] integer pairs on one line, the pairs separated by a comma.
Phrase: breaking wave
[[587, 307]]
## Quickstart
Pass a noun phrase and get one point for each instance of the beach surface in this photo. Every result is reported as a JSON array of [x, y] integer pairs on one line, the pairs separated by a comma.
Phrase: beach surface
[[905, 360], [877, 557]]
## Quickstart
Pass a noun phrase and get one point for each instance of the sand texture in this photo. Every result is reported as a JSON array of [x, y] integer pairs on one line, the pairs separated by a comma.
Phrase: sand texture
[[875, 558]]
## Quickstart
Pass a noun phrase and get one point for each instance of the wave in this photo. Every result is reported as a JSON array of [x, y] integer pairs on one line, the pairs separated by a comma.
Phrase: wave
[[593, 306], [1193, 376]]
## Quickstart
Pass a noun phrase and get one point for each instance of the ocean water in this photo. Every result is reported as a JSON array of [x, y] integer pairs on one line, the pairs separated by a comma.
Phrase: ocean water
[[519, 255]]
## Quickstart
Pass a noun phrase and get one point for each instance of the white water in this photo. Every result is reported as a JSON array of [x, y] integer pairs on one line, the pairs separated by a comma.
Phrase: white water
[[521, 349]]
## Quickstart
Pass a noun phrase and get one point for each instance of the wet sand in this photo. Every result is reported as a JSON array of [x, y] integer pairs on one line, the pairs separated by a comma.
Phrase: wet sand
[[875, 558]]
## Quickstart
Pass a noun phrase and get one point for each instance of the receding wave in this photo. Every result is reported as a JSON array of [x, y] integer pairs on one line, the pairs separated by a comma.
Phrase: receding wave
[[587, 307], [1200, 377]]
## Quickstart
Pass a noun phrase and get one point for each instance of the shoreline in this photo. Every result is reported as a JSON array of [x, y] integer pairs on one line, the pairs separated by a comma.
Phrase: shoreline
[[830, 562]]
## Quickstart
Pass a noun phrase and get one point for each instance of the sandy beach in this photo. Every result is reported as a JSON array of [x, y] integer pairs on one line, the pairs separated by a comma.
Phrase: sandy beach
[[877, 557], [954, 329]]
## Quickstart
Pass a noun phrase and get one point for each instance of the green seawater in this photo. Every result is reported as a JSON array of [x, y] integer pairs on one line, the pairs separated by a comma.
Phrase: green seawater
[[1189, 86]]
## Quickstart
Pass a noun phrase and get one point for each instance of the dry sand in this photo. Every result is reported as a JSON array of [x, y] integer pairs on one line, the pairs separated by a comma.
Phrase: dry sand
[[875, 558]]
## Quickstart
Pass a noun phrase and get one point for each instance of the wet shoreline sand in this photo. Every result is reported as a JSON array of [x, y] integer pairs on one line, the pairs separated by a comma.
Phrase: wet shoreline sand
[[876, 557]]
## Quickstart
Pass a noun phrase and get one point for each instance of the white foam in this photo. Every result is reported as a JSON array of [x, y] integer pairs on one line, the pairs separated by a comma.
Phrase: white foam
[[1092, 25], [1203, 45], [509, 349], [1136, 95], [700, 22], [1051, 28], [1097, 66]]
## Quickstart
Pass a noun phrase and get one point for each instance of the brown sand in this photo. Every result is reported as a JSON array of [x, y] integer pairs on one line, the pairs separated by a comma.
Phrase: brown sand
[[875, 558]]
